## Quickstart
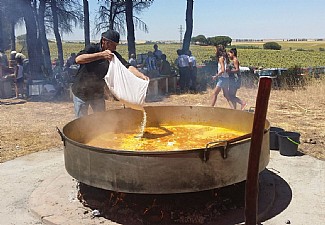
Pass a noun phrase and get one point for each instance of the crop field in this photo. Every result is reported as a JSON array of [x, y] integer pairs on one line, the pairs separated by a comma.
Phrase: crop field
[[301, 54], [288, 45]]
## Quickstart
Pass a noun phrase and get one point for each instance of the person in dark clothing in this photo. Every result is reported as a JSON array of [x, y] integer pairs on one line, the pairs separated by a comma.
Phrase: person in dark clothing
[[183, 64], [193, 71], [165, 68], [89, 84], [71, 60]]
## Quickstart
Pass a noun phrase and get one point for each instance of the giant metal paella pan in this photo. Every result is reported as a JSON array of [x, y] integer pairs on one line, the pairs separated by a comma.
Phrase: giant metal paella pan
[[214, 164]]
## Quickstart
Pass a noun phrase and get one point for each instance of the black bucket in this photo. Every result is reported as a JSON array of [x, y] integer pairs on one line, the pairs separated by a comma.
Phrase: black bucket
[[288, 143], [274, 143]]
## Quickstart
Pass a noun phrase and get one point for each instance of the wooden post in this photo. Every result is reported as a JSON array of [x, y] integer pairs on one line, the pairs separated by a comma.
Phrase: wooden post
[[251, 191]]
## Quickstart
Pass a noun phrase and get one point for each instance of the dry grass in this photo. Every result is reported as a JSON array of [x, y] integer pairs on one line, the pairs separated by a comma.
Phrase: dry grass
[[31, 126]]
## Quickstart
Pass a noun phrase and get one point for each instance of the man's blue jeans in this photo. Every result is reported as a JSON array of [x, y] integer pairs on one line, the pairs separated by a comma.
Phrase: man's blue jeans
[[81, 107]]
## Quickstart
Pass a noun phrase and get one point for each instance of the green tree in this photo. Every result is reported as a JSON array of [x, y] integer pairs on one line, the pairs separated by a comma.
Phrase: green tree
[[272, 45], [4, 40], [219, 40], [54, 9], [201, 39], [116, 14], [133, 21], [28, 9], [43, 38], [10, 15], [63, 15], [112, 15]]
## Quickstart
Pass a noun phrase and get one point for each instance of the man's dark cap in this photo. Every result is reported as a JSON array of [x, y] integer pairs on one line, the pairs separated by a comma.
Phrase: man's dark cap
[[112, 35]]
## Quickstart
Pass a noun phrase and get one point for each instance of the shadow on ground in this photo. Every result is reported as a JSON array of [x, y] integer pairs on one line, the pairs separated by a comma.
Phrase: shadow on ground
[[222, 206], [282, 198]]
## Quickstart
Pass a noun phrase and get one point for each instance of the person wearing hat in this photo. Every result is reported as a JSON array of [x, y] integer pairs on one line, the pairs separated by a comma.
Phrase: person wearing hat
[[89, 84]]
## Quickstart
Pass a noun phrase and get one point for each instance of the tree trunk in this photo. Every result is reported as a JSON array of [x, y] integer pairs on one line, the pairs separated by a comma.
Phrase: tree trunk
[[1, 26], [31, 36], [130, 27], [111, 16], [57, 32], [189, 26], [86, 22], [43, 39], [12, 36]]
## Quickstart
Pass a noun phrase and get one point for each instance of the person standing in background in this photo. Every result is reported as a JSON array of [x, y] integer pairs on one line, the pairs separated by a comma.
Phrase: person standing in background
[[19, 78], [234, 79], [183, 64], [193, 71], [3, 66], [132, 60], [164, 68], [157, 53], [71, 60], [221, 76], [150, 65]]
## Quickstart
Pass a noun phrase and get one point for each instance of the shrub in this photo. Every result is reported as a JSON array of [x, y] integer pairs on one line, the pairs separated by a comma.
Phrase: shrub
[[272, 46], [199, 39], [292, 77], [304, 50], [219, 40], [244, 46]]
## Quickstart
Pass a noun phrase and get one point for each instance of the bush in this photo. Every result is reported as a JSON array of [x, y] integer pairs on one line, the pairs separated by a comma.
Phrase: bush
[[272, 46], [244, 46], [304, 50], [292, 77], [219, 40], [199, 39]]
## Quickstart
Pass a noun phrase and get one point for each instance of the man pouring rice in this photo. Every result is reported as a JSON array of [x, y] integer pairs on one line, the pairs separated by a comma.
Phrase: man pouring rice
[[94, 60]]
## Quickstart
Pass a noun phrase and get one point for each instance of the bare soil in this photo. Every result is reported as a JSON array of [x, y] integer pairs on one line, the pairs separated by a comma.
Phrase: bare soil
[[31, 126]]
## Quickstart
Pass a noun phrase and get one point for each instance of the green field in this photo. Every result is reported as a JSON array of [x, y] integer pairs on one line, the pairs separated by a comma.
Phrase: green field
[[287, 57], [288, 45]]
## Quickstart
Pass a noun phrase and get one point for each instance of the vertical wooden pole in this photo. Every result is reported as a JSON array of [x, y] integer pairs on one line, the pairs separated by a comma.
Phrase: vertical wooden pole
[[251, 191]]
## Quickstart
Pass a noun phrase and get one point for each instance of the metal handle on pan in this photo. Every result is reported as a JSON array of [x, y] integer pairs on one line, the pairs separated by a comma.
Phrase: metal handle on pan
[[61, 134], [224, 144]]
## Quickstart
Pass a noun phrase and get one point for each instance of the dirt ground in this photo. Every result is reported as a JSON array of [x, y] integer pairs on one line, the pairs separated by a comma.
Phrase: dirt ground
[[31, 126]]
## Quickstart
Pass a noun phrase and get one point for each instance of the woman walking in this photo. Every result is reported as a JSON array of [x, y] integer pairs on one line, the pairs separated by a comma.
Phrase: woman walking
[[222, 76], [234, 79]]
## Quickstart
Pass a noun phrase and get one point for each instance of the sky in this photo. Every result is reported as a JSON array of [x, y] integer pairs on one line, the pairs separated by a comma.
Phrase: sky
[[238, 19]]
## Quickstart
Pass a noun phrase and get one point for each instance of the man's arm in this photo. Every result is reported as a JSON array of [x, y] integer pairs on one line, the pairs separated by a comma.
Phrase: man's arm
[[88, 58], [137, 73]]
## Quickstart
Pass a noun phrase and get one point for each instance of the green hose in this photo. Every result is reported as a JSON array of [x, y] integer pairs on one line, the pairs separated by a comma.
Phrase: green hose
[[294, 142]]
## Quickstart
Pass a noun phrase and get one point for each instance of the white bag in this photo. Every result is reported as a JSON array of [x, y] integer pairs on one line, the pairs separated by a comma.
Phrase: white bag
[[125, 86]]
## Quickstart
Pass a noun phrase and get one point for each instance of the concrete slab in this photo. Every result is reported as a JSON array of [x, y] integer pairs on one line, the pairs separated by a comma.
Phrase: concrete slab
[[38, 184], [300, 196], [19, 178]]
